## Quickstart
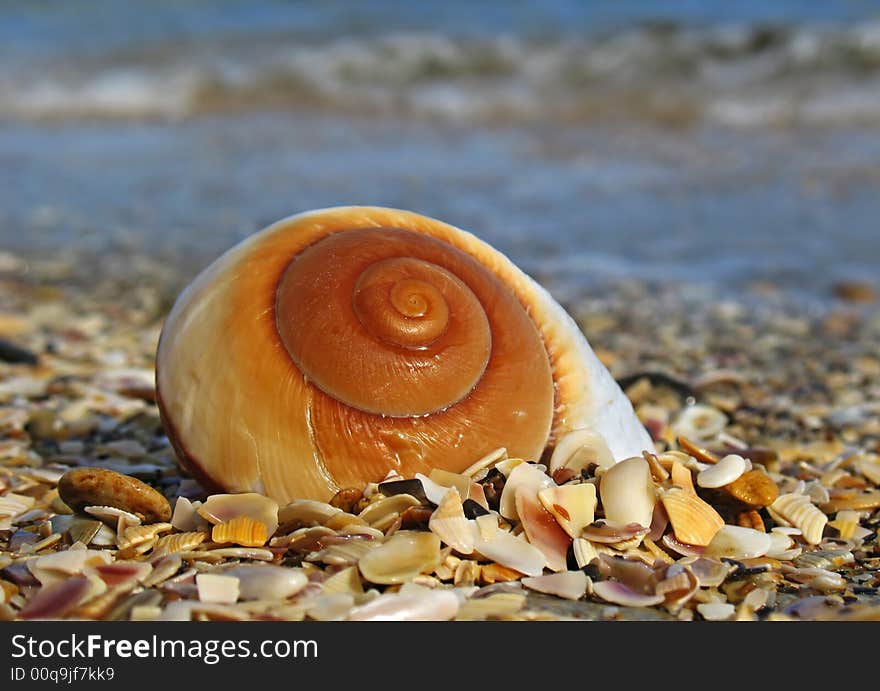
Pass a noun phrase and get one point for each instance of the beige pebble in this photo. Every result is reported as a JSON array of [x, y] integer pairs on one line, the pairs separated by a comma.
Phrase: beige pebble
[[82, 487]]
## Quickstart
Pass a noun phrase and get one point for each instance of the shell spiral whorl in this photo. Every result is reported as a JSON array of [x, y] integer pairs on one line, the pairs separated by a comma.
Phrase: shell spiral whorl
[[362, 309], [339, 344]]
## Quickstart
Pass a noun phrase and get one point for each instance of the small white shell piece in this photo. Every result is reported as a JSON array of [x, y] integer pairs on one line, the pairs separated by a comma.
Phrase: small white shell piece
[[627, 493], [736, 542], [217, 588], [526, 476], [572, 585], [700, 422], [267, 582], [722, 473], [510, 551], [578, 449], [425, 605]]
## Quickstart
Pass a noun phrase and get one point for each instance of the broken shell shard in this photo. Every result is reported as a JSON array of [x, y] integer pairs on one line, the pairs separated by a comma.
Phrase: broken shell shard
[[799, 511], [693, 521], [448, 522], [578, 450], [627, 493], [542, 529], [573, 506], [220, 508], [429, 342], [572, 585], [403, 556], [241, 530], [754, 488], [431, 605], [526, 477], [621, 594], [510, 551], [735, 542], [722, 473], [267, 582]]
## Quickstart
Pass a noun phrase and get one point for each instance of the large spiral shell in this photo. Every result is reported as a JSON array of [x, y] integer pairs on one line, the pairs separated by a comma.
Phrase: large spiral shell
[[339, 344]]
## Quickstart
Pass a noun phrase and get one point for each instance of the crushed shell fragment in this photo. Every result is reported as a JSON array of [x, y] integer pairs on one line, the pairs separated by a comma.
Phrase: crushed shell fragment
[[448, 522], [572, 585], [735, 542], [579, 449], [241, 530], [573, 506], [799, 511], [627, 493], [728, 469], [403, 556], [693, 521]]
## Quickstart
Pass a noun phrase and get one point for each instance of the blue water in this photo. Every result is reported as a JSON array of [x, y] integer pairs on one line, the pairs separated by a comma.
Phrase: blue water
[[714, 142]]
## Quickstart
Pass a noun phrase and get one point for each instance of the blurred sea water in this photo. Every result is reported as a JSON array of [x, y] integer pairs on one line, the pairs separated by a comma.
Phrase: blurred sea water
[[717, 142]]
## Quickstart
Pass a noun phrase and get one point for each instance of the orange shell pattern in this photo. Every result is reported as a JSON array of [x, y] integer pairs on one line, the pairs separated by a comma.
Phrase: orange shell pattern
[[278, 372]]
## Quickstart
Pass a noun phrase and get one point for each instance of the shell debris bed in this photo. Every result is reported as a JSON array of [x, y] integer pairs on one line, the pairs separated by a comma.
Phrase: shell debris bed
[[766, 457]]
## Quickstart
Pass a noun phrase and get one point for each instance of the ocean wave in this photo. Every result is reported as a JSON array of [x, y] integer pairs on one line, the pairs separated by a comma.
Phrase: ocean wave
[[732, 75]]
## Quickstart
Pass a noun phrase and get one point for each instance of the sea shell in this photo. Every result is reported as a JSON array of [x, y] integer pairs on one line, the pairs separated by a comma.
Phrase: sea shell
[[181, 541], [602, 533], [305, 513], [444, 478], [542, 529], [56, 566], [217, 588], [241, 530], [113, 516], [699, 422], [845, 523], [525, 476], [735, 542], [54, 601], [186, 518], [681, 476], [267, 582], [348, 580], [571, 585], [573, 506], [427, 605], [220, 508], [405, 555], [799, 511], [382, 513], [425, 341], [716, 611], [722, 473], [448, 522], [679, 586], [138, 534], [510, 551], [621, 594], [432, 490], [486, 461], [710, 572], [754, 488], [584, 552], [693, 521], [123, 572], [627, 493], [578, 450]]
